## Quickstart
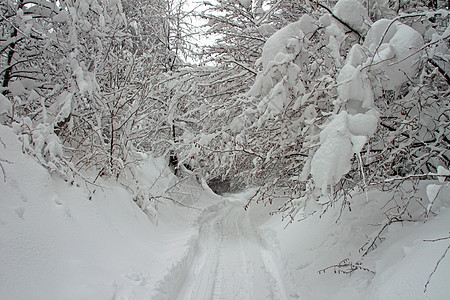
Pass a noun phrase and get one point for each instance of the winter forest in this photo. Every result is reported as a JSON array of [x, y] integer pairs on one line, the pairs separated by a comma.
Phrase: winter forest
[[224, 149]]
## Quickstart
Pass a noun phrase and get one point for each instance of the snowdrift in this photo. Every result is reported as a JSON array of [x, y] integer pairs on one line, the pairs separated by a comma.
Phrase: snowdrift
[[62, 240]]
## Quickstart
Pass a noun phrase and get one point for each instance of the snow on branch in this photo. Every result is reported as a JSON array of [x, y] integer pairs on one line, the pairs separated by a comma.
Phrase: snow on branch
[[340, 20]]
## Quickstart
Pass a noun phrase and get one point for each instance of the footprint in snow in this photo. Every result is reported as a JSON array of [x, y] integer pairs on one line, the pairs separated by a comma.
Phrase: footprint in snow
[[20, 211], [138, 278]]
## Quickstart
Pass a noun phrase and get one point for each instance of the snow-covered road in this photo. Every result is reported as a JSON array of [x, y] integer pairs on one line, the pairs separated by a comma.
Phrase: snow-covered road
[[228, 260]]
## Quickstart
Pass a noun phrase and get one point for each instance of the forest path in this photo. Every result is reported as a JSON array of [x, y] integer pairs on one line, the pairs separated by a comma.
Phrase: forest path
[[229, 260]]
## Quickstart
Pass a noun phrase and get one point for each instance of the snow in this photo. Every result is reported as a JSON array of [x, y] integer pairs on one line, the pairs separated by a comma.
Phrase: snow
[[266, 29], [152, 235], [353, 13], [229, 260], [66, 241], [280, 41], [354, 83], [389, 53], [280, 79], [344, 136], [443, 172], [66, 107], [69, 240], [363, 124], [16, 87], [398, 50], [246, 3], [5, 108], [432, 193], [237, 124], [84, 82], [402, 262], [62, 16], [331, 161]]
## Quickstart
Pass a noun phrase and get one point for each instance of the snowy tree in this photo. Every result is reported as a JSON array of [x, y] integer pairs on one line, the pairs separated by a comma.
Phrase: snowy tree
[[340, 103], [77, 77], [238, 30]]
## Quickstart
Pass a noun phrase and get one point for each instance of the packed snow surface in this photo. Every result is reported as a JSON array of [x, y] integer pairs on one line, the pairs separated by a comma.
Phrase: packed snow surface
[[230, 259], [61, 240]]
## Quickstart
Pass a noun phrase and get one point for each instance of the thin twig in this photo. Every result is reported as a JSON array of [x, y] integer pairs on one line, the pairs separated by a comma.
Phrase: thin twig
[[420, 176], [435, 268], [439, 239], [3, 170], [441, 70]]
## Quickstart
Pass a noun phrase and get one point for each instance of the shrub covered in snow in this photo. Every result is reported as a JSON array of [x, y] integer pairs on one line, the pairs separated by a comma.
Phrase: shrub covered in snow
[[334, 109]]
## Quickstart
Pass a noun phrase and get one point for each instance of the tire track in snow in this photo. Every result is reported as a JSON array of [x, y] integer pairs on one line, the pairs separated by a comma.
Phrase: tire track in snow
[[227, 261]]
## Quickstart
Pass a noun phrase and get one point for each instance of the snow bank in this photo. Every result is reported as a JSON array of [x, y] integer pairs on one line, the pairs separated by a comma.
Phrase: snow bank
[[63, 240], [401, 263]]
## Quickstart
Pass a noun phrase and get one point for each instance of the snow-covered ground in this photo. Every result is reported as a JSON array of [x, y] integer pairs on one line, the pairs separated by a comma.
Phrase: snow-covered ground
[[61, 241], [402, 262], [229, 260], [55, 243]]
